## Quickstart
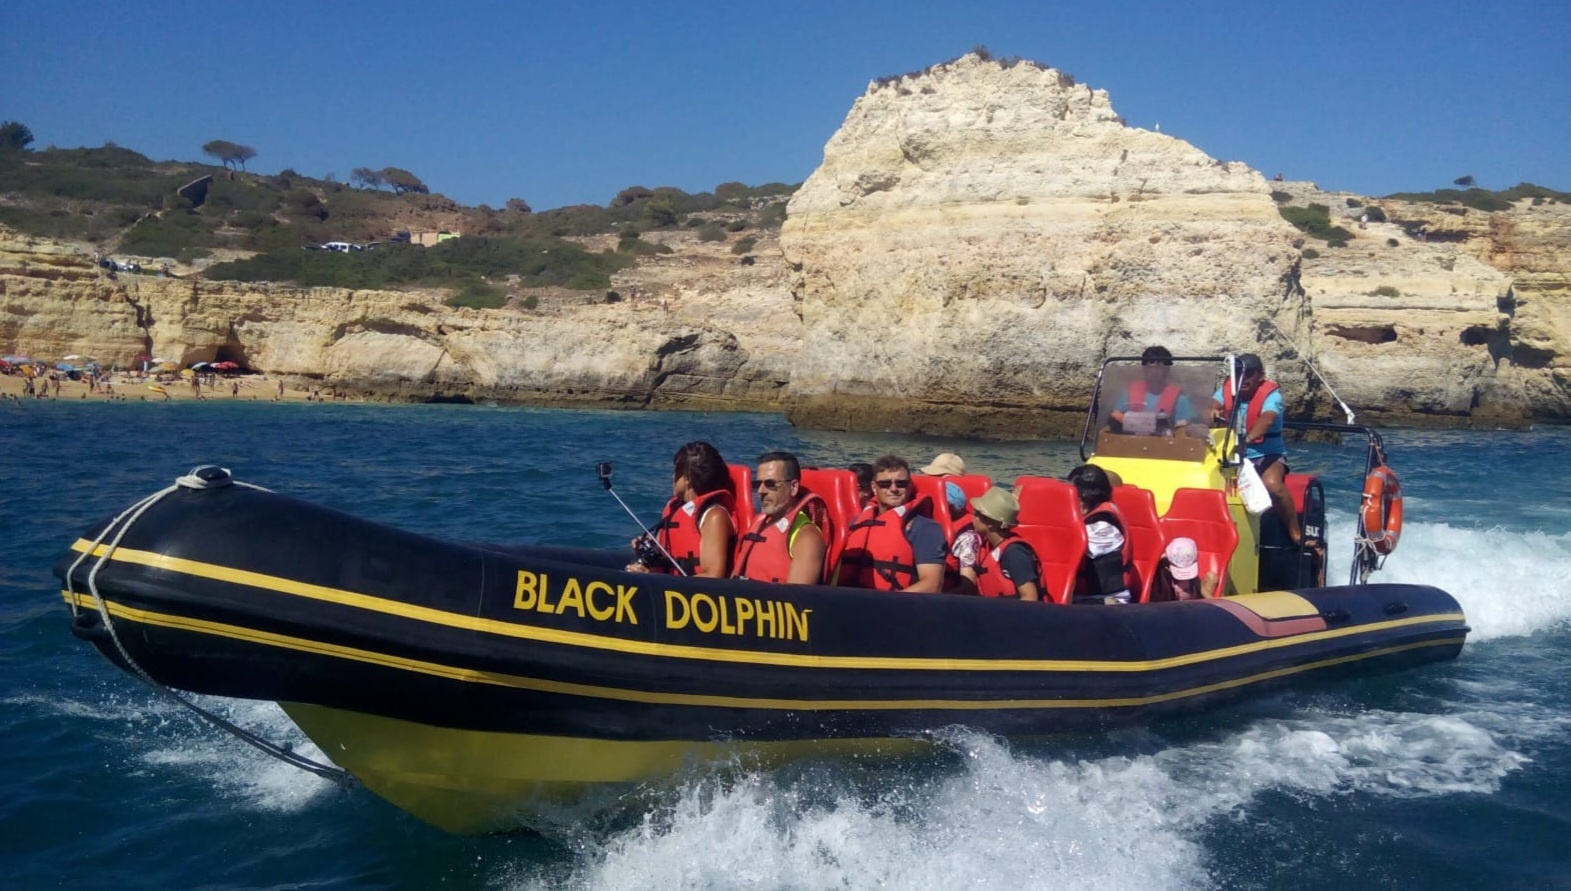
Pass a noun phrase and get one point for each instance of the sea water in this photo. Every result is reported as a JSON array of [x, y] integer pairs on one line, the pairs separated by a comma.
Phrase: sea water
[[1448, 776]]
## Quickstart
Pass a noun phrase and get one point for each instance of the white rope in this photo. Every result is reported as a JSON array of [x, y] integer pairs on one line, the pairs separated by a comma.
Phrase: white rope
[[1303, 357], [205, 477]]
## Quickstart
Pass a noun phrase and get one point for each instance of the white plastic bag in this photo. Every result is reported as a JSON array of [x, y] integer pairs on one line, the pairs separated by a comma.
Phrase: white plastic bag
[[1252, 489]]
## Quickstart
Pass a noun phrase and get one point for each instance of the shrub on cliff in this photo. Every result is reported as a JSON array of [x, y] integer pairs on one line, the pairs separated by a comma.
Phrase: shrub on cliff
[[711, 232], [1316, 221], [744, 245]]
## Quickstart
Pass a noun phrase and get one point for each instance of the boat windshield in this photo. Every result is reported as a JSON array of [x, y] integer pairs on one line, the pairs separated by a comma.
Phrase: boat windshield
[[1169, 399]]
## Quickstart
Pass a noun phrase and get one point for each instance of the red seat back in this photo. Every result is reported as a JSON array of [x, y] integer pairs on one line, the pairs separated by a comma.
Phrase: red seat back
[[933, 488], [838, 489], [1051, 521], [742, 488], [1144, 530], [1060, 549], [1201, 514], [973, 484], [1297, 485]]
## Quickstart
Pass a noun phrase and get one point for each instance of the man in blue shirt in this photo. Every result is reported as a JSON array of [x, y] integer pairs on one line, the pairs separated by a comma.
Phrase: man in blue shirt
[[1262, 433], [1152, 393]]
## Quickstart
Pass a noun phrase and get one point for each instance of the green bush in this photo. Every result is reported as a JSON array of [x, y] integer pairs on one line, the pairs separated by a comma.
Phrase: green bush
[[1392, 242], [530, 301], [1281, 197], [711, 232], [477, 294], [1354, 202], [166, 235], [744, 245], [1316, 221], [1311, 254], [736, 225], [1386, 291]]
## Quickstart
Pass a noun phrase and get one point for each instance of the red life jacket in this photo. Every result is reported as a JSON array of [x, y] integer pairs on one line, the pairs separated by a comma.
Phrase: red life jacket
[[764, 554], [1164, 404], [1097, 575], [957, 525], [1256, 403], [877, 554], [678, 527], [990, 578]]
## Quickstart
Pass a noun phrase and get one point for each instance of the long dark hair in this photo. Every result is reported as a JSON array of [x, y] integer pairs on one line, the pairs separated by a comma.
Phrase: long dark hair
[[1093, 485], [701, 463]]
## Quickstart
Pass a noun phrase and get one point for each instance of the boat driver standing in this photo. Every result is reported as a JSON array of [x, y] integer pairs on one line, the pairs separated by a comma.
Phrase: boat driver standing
[[1264, 445], [786, 543], [894, 544]]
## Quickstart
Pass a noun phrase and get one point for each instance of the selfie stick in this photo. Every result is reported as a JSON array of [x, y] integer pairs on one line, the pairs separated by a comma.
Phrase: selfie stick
[[604, 469]]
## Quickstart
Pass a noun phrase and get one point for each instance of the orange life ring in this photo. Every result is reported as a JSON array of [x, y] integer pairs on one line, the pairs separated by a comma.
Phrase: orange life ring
[[1382, 512]]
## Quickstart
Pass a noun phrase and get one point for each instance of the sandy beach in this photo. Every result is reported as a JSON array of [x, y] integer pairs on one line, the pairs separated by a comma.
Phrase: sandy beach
[[130, 388]]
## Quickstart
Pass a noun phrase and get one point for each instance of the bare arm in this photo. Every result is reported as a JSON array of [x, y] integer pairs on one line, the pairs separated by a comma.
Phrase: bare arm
[[714, 546], [807, 557], [929, 579]]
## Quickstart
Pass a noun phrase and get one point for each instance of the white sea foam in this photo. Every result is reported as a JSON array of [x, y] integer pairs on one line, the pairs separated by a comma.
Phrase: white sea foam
[[1005, 819], [1509, 583]]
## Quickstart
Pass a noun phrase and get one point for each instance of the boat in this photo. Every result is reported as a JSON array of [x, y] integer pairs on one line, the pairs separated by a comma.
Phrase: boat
[[484, 688]]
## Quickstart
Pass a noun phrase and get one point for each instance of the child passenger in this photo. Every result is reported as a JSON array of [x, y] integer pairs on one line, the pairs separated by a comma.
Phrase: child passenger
[[1178, 574]]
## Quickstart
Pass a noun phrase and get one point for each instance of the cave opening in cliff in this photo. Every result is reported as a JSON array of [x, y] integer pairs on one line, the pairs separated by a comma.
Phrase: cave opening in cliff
[[1371, 334]]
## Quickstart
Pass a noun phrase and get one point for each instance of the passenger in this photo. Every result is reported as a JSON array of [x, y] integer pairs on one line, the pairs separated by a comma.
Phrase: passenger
[[864, 483], [1107, 571], [1153, 394], [964, 542], [696, 528], [892, 544], [946, 464], [786, 543], [1264, 445], [1178, 574], [1006, 566]]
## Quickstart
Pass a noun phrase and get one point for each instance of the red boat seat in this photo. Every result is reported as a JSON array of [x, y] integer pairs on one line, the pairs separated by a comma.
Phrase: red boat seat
[[1051, 523], [933, 488], [1145, 533], [973, 484], [742, 489], [838, 489], [1298, 486], [1201, 514]]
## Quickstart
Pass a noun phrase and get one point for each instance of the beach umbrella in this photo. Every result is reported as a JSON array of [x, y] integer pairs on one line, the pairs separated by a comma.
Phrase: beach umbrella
[[17, 360], [202, 364], [64, 366]]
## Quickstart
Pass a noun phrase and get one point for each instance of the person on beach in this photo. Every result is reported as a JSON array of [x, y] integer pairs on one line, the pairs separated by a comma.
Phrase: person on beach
[[1006, 565], [1107, 570], [894, 544], [786, 543], [696, 529], [1261, 432]]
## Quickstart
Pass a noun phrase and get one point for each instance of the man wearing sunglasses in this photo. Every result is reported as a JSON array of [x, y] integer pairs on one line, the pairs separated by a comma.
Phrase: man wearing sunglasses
[[786, 543], [1152, 394], [894, 544]]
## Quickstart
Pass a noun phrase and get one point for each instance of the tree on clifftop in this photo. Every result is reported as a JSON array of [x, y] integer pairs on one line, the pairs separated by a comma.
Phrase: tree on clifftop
[[366, 178], [403, 181], [232, 154], [14, 135]]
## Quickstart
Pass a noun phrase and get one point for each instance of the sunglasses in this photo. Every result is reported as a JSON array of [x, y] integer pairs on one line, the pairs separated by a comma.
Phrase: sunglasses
[[893, 484], [772, 485]]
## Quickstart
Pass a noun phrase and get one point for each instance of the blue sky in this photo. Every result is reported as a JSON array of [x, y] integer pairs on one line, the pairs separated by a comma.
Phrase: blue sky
[[570, 102]]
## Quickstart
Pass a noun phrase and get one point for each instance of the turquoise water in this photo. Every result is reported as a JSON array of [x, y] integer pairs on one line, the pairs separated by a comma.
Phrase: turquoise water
[[1455, 776]]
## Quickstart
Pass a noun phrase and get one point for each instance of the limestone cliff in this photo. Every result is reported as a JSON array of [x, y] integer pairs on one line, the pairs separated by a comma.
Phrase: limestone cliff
[[648, 351], [980, 236]]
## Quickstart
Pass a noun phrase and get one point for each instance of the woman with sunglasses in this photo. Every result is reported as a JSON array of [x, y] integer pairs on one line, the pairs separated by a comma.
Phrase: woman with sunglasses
[[696, 528], [894, 544]]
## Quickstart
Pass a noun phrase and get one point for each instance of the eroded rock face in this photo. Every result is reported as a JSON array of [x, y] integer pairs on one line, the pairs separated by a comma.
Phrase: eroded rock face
[[980, 237], [644, 352]]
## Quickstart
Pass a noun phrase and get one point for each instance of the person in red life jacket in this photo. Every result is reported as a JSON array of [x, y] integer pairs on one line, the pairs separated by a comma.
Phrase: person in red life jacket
[[786, 543], [1006, 565], [696, 528], [1154, 395], [1177, 574], [964, 542], [1262, 432], [893, 544], [864, 483], [1107, 571]]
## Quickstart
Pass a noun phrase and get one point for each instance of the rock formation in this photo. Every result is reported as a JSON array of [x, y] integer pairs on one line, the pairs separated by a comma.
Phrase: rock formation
[[979, 237]]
